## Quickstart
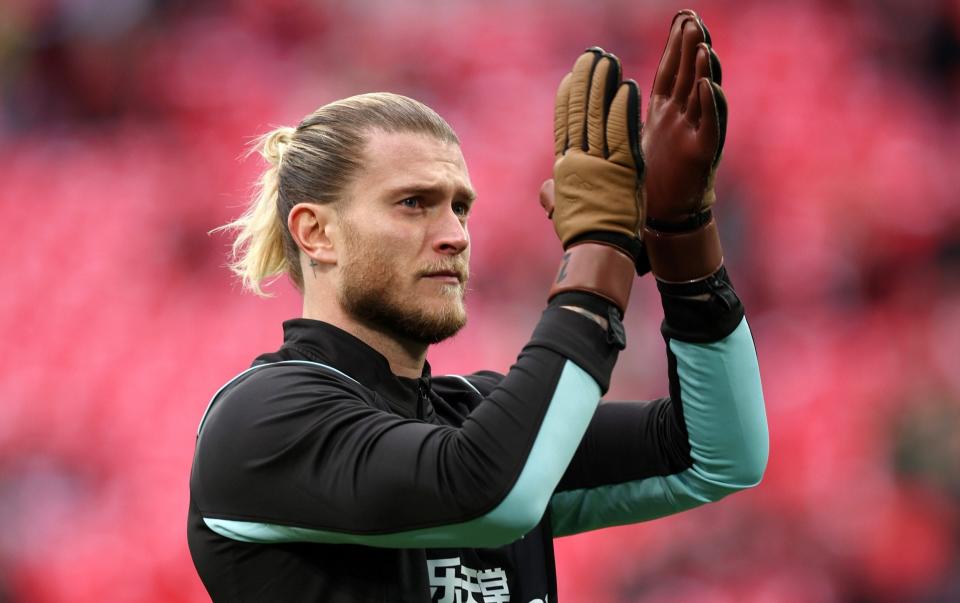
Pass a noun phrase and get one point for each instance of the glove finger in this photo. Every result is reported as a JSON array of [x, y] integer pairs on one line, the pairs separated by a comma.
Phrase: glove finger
[[694, 105], [560, 116], [623, 127], [577, 103], [670, 60], [721, 100], [704, 68], [716, 73], [603, 86], [706, 32], [692, 36], [707, 66], [708, 130]]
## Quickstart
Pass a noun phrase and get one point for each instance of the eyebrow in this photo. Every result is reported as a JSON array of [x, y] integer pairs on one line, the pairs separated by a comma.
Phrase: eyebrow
[[467, 194]]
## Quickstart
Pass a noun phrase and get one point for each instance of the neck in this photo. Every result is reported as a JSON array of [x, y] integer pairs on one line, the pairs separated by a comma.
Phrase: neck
[[406, 358]]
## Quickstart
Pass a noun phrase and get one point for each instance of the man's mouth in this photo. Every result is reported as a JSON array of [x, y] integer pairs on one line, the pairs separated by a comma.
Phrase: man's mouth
[[445, 276]]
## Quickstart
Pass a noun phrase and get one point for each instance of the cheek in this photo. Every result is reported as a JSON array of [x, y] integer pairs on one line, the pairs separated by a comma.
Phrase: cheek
[[398, 259], [403, 245], [393, 244], [398, 252], [378, 237]]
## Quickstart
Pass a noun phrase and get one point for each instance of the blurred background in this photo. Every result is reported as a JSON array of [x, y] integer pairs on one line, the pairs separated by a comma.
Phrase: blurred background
[[122, 129]]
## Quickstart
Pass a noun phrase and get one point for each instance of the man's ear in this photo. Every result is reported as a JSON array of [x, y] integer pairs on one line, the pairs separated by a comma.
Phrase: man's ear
[[310, 226]]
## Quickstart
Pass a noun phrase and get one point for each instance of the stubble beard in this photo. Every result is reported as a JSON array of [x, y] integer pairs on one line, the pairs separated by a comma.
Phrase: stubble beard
[[369, 293]]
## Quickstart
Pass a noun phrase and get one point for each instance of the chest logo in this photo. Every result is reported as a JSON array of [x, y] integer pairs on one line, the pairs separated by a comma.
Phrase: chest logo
[[451, 582]]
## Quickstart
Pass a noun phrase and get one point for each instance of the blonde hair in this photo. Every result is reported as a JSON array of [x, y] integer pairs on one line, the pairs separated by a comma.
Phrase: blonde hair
[[314, 162]]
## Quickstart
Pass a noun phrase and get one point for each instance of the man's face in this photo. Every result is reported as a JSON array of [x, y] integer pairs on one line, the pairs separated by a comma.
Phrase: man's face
[[404, 243]]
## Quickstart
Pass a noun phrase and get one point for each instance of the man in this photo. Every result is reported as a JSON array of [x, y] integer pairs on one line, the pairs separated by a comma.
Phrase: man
[[339, 469]]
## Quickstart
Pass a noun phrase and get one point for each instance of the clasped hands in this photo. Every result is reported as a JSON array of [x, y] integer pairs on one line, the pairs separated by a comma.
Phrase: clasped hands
[[629, 193]]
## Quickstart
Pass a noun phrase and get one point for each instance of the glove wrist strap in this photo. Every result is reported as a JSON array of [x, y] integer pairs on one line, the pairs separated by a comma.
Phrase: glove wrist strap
[[683, 257], [596, 268], [632, 246]]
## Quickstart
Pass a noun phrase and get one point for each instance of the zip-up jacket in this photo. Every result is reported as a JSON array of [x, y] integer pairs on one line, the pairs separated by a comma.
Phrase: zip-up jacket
[[319, 475]]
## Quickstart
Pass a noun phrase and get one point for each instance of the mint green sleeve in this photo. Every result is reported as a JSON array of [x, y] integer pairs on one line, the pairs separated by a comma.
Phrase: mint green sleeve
[[723, 408]]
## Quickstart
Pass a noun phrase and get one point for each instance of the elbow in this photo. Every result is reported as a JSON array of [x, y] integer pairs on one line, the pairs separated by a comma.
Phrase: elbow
[[512, 519], [748, 472], [752, 462], [738, 473], [504, 529], [753, 468], [746, 457]]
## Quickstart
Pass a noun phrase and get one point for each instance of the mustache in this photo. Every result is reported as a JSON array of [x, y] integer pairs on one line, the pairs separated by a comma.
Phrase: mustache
[[457, 267]]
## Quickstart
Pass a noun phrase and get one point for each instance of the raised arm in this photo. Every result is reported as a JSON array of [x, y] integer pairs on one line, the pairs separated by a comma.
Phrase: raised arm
[[641, 460], [707, 439]]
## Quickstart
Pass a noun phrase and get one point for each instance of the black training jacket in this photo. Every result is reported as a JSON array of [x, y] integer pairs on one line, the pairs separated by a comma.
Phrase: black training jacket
[[319, 475]]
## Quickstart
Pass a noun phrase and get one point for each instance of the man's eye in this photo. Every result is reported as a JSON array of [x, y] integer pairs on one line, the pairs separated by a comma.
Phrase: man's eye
[[461, 209], [411, 202]]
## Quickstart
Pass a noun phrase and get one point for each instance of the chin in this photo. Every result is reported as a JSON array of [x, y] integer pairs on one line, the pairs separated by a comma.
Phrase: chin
[[440, 325], [425, 317]]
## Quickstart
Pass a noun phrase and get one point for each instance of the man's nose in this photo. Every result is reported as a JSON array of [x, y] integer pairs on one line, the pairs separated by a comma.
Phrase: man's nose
[[451, 237]]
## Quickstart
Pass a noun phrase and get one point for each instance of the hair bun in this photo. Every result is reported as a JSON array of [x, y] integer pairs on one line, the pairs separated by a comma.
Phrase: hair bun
[[275, 143]]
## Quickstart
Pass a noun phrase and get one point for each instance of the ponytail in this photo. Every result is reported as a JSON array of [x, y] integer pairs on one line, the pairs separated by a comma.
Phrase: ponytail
[[258, 252]]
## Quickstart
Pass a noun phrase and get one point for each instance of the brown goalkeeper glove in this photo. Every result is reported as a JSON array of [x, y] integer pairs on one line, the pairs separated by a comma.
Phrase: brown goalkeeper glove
[[597, 207], [682, 142]]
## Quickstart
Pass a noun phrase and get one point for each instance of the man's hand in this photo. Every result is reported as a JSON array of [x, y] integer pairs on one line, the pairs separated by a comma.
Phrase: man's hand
[[598, 168], [682, 142], [597, 197]]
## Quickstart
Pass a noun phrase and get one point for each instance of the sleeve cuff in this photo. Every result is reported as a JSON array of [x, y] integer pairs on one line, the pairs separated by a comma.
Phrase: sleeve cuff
[[580, 339], [702, 311]]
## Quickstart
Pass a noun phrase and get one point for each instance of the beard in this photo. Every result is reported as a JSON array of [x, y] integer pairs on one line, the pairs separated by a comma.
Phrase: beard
[[372, 293]]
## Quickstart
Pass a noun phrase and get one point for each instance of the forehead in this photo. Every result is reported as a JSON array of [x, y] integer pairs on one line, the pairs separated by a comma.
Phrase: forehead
[[394, 160]]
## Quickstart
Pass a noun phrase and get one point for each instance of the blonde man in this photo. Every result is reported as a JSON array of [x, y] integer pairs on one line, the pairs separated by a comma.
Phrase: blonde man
[[339, 469]]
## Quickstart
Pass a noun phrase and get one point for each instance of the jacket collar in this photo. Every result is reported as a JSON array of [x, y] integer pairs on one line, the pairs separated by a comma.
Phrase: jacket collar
[[322, 342]]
